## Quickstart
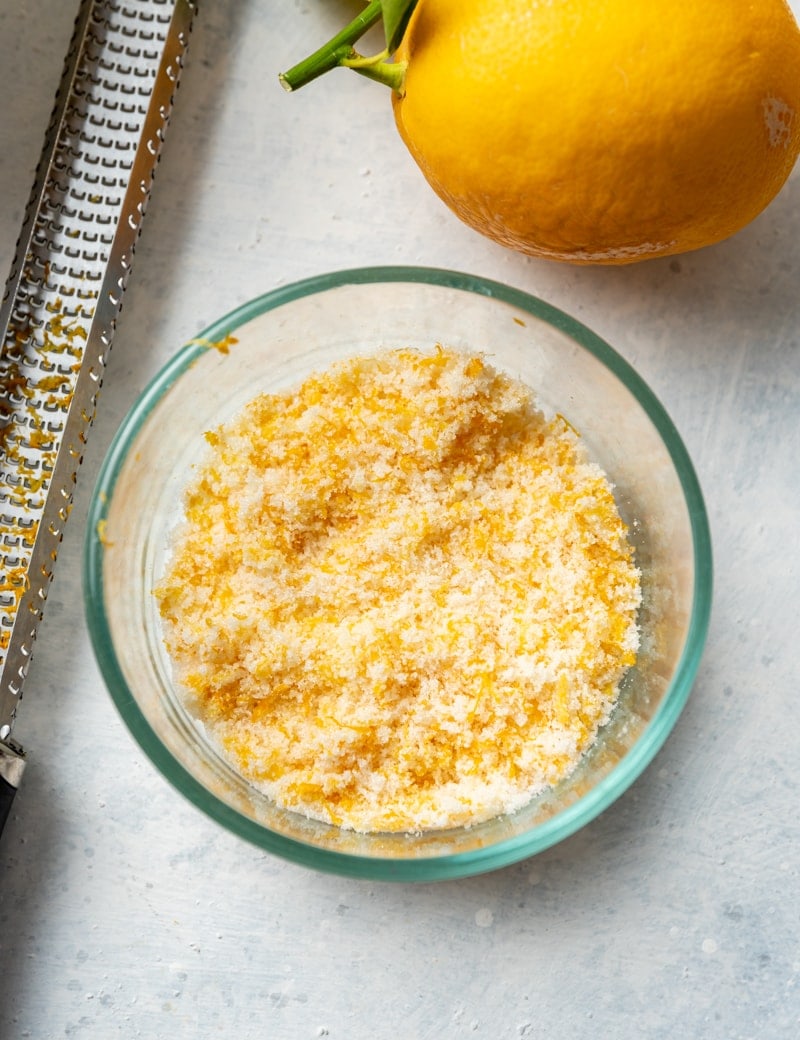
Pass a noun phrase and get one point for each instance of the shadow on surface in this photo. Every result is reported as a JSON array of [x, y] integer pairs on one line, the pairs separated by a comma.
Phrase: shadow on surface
[[744, 286]]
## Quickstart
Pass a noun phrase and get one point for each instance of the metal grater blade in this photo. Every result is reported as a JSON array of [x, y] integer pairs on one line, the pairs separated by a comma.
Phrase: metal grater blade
[[63, 295]]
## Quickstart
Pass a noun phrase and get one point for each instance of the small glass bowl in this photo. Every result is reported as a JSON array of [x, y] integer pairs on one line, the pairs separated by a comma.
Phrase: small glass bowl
[[282, 337]]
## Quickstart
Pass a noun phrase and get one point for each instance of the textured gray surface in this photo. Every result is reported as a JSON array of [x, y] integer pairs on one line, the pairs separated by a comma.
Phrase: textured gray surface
[[125, 913]]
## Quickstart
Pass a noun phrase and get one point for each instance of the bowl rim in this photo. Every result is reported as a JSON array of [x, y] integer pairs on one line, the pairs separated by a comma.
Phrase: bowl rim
[[436, 867]]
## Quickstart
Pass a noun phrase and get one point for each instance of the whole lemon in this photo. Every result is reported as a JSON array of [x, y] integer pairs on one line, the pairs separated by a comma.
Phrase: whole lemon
[[602, 131]]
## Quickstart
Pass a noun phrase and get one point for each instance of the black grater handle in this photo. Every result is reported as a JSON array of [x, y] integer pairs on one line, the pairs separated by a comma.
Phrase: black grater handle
[[12, 764], [7, 793]]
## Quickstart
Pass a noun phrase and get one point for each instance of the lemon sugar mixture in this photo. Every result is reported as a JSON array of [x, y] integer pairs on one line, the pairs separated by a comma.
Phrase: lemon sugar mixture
[[401, 597]]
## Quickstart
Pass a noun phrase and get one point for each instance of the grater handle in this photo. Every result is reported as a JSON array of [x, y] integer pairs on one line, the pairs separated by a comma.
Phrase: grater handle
[[12, 764], [7, 793]]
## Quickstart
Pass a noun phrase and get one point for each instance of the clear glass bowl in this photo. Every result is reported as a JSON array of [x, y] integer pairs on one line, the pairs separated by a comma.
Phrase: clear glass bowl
[[282, 337]]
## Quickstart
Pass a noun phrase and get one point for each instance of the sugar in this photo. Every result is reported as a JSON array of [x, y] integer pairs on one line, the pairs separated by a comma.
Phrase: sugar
[[402, 598]]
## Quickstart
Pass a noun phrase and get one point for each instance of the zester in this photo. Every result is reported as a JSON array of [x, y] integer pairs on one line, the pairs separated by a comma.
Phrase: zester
[[63, 296]]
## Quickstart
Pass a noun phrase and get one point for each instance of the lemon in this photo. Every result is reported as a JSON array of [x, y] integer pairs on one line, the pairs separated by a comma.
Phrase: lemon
[[601, 131]]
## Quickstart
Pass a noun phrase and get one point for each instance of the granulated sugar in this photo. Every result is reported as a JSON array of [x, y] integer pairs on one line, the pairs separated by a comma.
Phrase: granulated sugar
[[401, 598]]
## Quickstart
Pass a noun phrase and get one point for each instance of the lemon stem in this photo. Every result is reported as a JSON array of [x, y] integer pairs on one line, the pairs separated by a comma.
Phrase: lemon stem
[[339, 51], [377, 67]]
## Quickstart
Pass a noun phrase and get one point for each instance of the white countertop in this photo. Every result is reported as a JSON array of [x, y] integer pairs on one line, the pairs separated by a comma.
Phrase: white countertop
[[124, 912]]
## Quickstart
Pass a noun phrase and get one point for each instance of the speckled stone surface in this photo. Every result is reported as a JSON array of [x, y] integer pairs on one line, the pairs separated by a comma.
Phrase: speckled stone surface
[[126, 913]]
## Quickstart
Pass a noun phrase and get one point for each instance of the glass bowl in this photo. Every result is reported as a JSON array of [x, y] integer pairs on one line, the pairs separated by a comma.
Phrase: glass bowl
[[280, 338]]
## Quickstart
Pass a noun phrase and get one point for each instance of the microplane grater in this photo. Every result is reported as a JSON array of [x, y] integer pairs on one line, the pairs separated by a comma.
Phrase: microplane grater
[[63, 297]]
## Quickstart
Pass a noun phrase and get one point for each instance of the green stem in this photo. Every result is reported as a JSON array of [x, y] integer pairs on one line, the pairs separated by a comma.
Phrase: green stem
[[390, 73], [335, 52]]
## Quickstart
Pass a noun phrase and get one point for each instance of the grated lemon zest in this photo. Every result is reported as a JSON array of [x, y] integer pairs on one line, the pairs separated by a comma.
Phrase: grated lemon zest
[[401, 598]]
